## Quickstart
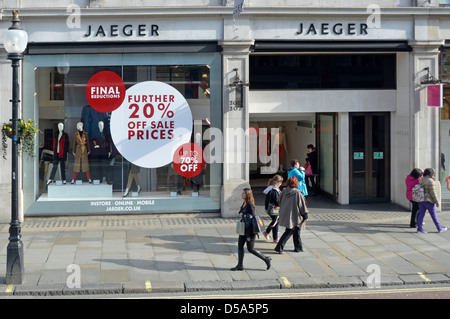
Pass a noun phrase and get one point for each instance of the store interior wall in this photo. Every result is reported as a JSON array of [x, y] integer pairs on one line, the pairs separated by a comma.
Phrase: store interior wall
[[297, 138]]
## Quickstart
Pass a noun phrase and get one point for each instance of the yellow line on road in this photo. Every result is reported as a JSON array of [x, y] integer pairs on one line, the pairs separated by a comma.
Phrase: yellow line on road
[[280, 295]]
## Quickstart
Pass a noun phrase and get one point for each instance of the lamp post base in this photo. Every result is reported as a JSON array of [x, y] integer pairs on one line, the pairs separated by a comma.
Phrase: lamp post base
[[14, 258]]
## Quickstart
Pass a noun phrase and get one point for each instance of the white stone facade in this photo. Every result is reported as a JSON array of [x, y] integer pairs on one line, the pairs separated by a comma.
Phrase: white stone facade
[[414, 127]]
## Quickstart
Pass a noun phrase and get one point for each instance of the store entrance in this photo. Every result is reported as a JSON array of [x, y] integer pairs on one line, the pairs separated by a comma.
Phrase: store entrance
[[295, 133], [369, 157]]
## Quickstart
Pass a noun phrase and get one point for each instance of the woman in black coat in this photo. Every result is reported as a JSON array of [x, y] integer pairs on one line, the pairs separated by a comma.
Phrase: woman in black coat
[[247, 213], [311, 157]]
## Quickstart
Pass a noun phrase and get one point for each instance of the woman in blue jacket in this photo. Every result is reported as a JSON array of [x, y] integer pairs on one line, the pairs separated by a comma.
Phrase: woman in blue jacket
[[299, 172]]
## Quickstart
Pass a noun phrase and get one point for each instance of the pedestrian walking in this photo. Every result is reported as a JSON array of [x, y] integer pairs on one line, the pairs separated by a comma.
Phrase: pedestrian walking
[[293, 215], [247, 213], [412, 180], [272, 207], [299, 173], [431, 201], [311, 160]]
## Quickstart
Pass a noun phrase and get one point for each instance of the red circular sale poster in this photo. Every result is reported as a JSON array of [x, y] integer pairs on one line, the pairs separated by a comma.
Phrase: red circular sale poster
[[105, 91], [188, 160]]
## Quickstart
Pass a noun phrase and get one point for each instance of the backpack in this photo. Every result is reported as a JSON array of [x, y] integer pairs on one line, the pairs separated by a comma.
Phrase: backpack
[[418, 193]]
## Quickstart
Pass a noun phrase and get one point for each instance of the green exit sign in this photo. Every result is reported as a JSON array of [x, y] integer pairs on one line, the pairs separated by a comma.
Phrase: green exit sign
[[358, 155], [378, 155]]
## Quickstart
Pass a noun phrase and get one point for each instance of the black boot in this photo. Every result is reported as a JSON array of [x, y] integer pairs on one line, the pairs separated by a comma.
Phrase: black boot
[[267, 260], [240, 265]]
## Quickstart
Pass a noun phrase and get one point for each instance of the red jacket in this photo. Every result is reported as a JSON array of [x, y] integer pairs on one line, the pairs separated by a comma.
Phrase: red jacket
[[63, 146]]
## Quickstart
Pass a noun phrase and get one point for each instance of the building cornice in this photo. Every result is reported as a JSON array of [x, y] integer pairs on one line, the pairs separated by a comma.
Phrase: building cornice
[[223, 12]]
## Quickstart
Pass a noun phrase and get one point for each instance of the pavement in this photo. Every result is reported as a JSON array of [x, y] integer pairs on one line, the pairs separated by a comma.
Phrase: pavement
[[344, 246]]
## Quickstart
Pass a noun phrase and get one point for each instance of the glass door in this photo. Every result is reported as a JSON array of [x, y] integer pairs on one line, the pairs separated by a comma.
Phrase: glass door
[[327, 154], [369, 157]]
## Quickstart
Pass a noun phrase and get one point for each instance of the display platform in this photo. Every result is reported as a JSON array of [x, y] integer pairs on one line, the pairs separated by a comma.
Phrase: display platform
[[157, 202], [85, 190]]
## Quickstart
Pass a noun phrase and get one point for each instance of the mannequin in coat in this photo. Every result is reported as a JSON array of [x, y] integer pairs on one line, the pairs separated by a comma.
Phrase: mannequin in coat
[[81, 150], [100, 152], [60, 150]]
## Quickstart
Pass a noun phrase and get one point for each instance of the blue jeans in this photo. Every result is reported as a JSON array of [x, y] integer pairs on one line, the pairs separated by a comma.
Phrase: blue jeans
[[431, 207]]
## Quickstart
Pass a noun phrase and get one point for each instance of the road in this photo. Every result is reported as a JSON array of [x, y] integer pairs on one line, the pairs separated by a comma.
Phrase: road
[[393, 292]]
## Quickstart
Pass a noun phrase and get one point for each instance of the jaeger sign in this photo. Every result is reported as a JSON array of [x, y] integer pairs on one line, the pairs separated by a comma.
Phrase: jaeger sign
[[128, 30], [326, 28]]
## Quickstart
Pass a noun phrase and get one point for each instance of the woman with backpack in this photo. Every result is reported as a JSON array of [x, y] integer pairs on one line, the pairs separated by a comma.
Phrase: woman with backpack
[[431, 201], [272, 206], [247, 213], [412, 180]]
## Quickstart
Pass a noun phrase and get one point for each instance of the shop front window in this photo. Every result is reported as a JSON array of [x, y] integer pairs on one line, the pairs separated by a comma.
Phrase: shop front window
[[444, 170], [79, 167], [322, 71]]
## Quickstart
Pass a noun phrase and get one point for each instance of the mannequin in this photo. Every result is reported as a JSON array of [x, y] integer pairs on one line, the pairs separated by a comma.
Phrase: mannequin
[[81, 150], [282, 146], [100, 152], [134, 170], [196, 180], [60, 150]]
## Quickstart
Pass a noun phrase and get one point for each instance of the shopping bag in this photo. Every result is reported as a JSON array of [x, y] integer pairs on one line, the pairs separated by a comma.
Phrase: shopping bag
[[258, 224], [240, 228]]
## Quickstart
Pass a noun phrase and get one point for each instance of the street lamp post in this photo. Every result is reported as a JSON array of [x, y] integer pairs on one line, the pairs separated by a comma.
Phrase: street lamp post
[[15, 43]]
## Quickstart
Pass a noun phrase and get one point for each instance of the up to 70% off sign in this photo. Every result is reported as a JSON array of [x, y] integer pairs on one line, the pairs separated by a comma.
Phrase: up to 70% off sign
[[188, 160]]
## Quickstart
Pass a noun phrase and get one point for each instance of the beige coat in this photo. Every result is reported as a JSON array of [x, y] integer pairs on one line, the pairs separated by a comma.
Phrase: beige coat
[[292, 207], [81, 148], [429, 187]]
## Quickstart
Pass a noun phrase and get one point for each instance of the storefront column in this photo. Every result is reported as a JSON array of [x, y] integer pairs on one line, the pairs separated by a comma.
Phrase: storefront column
[[235, 126], [343, 183], [424, 120]]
